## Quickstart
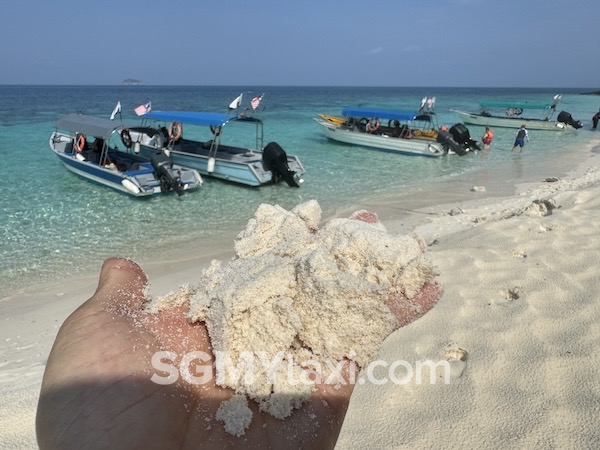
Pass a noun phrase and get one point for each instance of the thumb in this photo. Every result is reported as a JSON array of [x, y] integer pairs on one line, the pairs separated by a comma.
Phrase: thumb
[[121, 281]]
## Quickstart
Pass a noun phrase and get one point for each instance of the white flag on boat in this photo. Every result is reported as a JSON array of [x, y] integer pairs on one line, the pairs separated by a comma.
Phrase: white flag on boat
[[255, 102], [116, 111], [236, 103], [143, 109], [427, 104]]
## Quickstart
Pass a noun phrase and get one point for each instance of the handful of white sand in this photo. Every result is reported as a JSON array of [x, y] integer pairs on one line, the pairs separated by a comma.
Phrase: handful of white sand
[[297, 297]]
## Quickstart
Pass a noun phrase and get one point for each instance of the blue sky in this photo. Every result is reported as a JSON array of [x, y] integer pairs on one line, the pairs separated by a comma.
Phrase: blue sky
[[470, 43]]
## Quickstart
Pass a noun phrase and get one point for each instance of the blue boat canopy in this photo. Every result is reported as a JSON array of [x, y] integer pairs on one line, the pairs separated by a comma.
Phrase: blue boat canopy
[[191, 117], [379, 113]]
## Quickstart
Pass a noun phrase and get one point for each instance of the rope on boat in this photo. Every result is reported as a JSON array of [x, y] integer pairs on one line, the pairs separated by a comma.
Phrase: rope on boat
[[43, 145]]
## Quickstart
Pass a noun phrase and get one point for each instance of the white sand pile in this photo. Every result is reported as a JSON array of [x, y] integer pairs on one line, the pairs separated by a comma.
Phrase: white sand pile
[[298, 297], [521, 292]]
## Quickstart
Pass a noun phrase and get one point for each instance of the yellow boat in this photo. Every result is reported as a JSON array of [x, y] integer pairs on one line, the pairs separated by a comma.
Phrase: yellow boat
[[402, 131]]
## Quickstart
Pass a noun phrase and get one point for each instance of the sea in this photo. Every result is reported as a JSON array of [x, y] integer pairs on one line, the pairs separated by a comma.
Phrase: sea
[[55, 225]]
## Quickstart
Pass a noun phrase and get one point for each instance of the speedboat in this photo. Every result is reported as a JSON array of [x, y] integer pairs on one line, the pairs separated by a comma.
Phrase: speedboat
[[514, 114], [399, 131], [86, 146], [256, 166], [396, 131]]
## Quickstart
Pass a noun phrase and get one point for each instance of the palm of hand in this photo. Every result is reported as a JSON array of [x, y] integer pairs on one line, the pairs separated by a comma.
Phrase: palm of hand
[[97, 390]]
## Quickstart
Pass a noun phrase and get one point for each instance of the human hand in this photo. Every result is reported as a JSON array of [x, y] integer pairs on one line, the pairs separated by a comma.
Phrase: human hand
[[97, 390]]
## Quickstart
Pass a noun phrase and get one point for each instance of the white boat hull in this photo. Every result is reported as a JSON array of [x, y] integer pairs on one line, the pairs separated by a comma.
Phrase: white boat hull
[[509, 122], [140, 182], [235, 164], [414, 146]]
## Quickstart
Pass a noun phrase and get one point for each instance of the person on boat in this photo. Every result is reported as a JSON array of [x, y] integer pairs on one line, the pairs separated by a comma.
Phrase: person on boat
[[175, 132], [487, 138], [522, 136], [98, 156], [373, 125], [595, 120], [96, 150]]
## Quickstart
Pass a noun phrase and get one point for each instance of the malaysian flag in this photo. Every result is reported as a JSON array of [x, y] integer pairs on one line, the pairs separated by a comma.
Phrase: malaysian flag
[[143, 109], [255, 102]]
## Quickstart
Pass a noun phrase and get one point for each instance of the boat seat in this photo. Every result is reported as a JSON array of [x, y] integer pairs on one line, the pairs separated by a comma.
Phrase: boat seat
[[145, 179], [91, 156], [232, 150], [188, 147], [138, 169]]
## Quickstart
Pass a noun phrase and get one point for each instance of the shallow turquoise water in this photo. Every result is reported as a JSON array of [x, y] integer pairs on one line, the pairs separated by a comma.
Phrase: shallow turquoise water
[[54, 224]]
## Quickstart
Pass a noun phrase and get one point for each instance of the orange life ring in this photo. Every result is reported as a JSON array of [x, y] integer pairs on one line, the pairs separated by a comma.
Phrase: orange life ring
[[373, 125], [175, 131], [79, 143]]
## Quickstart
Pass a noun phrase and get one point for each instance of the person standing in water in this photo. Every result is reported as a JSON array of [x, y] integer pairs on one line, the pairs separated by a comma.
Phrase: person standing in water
[[595, 120], [522, 136], [487, 138]]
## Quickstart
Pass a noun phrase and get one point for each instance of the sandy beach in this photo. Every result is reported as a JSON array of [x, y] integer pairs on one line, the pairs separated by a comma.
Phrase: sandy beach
[[518, 321]]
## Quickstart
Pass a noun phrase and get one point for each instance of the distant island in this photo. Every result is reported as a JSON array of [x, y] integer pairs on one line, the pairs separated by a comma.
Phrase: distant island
[[132, 82]]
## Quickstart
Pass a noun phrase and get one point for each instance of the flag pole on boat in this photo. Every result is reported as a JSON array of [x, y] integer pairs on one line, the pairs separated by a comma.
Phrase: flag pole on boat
[[255, 102], [116, 111], [235, 104]]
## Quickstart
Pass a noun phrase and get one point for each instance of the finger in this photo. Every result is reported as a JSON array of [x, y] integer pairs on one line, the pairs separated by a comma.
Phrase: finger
[[121, 282]]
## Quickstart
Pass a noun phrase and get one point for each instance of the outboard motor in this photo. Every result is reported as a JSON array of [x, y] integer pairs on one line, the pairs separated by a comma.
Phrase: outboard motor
[[164, 167], [449, 144], [461, 134], [275, 160], [565, 117]]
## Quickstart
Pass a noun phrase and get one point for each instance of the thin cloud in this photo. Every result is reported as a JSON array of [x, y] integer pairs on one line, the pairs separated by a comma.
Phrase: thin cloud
[[375, 50]]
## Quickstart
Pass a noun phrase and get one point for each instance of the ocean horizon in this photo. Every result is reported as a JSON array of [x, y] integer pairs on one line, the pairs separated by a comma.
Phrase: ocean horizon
[[57, 225], [571, 89]]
